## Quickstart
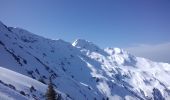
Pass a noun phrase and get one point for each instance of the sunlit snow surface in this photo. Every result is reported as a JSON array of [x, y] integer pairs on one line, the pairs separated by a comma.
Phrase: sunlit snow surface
[[80, 70]]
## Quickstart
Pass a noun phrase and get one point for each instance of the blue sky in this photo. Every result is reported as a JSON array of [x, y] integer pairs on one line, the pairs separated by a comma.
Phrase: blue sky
[[107, 23]]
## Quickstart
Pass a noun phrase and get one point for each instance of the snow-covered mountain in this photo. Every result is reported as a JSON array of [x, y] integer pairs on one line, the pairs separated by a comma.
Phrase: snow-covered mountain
[[81, 71]]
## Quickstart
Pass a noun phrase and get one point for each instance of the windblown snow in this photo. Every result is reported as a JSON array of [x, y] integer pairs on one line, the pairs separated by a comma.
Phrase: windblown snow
[[81, 71]]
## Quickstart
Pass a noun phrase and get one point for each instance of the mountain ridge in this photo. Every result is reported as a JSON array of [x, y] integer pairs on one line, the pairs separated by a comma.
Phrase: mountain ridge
[[82, 67]]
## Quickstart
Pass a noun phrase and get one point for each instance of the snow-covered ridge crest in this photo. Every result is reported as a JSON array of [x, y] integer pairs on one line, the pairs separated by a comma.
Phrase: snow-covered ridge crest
[[112, 51], [84, 44], [88, 47]]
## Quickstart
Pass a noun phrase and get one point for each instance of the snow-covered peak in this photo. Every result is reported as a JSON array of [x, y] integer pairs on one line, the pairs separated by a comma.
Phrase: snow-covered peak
[[112, 51], [88, 46], [83, 43]]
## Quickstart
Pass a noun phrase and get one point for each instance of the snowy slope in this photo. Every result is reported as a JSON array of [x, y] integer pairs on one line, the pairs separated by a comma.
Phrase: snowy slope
[[92, 73], [9, 94], [13, 83], [15, 86]]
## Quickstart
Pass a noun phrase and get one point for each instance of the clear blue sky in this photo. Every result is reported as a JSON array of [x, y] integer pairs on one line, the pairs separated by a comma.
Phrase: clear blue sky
[[120, 23]]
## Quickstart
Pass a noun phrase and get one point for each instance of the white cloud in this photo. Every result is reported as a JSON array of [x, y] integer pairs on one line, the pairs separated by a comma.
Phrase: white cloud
[[158, 52]]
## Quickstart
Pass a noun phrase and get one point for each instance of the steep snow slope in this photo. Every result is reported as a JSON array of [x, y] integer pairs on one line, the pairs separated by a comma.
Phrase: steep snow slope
[[139, 75], [17, 86], [9, 94], [82, 67]]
